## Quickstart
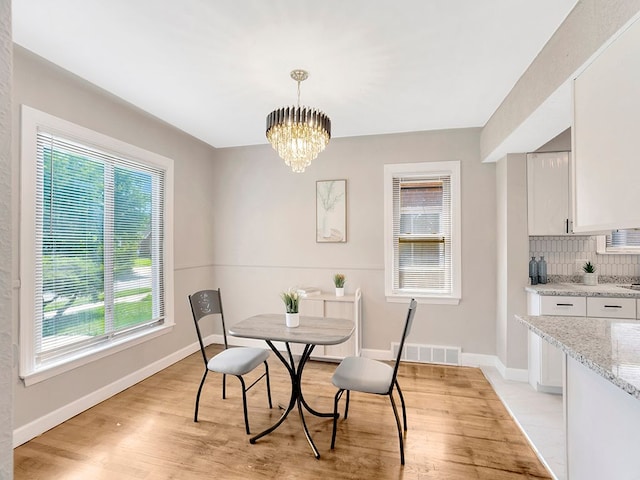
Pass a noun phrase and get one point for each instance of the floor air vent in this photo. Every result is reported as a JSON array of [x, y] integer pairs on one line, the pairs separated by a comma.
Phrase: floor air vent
[[428, 353]]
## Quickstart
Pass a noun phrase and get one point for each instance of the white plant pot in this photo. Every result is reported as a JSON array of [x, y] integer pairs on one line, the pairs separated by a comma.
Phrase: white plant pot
[[590, 279], [293, 319], [340, 292]]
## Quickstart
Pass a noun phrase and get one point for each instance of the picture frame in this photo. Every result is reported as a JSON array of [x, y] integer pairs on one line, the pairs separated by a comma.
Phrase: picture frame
[[331, 211]]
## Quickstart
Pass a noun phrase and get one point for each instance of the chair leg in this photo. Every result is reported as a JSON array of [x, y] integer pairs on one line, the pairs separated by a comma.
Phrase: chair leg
[[346, 408], [395, 413], [195, 414], [335, 416], [266, 369], [404, 410], [224, 386], [244, 404]]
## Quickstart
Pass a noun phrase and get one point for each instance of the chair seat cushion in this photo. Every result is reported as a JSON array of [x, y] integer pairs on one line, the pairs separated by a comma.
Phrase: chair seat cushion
[[238, 361], [363, 375]]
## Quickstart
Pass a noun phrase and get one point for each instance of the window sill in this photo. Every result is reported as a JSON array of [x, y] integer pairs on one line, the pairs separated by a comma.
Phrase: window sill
[[53, 368], [423, 299]]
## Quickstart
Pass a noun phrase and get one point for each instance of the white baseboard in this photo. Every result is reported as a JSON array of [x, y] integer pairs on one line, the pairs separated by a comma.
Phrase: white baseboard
[[376, 354], [515, 374], [466, 360], [477, 360], [33, 429]]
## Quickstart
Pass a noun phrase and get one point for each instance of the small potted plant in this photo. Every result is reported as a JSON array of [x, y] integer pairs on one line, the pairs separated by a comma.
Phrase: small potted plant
[[291, 301], [590, 276], [338, 281]]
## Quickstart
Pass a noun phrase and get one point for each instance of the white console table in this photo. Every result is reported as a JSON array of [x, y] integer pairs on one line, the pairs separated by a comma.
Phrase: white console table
[[328, 305]]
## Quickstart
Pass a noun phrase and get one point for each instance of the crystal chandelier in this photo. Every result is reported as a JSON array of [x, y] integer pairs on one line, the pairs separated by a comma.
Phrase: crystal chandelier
[[299, 134]]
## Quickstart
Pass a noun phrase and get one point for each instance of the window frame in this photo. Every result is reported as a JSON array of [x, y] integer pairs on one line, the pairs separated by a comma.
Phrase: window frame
[[603, 249], [33, 120], [422, 170]]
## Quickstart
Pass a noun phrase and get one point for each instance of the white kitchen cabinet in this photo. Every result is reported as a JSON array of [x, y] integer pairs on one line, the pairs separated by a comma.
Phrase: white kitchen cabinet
[[545, 360], [545, 365], [569, 306], [606, 307], [328, 305], [605, 163], [548, 193]]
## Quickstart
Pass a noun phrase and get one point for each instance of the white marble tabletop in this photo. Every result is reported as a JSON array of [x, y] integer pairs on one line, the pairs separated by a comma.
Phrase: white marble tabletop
[[582, 290], [609, 347], [312, 330]]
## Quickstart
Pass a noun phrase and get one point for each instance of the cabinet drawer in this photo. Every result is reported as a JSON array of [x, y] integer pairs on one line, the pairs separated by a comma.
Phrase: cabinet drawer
[[559, 305], [611, 307]]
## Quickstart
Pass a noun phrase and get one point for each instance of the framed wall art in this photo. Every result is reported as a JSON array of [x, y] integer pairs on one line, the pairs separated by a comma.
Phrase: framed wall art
[[331, 211]]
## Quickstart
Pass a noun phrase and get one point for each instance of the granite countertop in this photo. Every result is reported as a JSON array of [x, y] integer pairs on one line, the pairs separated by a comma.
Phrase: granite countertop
[[609, 347], [581, 290]]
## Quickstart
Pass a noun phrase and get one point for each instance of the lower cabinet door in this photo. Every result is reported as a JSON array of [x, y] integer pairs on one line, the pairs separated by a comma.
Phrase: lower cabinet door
[[551, 368], [545, 365]]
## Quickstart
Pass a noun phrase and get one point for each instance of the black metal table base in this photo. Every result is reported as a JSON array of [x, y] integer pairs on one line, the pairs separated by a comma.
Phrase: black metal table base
[[296, 394]]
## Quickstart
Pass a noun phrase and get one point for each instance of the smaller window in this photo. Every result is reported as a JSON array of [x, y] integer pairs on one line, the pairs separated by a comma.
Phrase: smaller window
[[625, 241], [422, 231]]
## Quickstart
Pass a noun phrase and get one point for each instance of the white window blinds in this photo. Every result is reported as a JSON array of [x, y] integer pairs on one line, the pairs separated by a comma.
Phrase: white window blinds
[[99, 250], [422, 239], [628, 239], [422, 234]]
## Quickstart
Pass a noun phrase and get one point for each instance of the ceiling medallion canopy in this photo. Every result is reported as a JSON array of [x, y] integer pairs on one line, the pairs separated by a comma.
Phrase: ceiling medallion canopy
[[298, 133]]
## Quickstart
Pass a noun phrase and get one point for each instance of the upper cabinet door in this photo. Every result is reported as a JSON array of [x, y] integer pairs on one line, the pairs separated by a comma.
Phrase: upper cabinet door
[[606, 136], [548, 193]]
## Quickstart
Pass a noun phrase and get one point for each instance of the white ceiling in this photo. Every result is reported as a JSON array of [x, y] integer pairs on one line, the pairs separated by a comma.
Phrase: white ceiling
[[216, 68]]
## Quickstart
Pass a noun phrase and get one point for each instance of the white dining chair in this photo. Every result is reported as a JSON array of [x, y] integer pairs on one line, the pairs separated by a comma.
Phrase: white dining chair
[[237, 361], [361, 374]]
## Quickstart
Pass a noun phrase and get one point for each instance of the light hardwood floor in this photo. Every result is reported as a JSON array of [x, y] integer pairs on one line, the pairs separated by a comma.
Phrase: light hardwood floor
[[458, 429]]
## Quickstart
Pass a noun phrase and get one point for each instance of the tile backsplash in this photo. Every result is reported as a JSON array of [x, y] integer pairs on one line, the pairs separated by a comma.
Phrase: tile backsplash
[[562, 252]]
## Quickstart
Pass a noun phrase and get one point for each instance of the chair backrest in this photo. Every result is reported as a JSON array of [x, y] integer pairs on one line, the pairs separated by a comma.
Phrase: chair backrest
[[407, 329], [203, 304]]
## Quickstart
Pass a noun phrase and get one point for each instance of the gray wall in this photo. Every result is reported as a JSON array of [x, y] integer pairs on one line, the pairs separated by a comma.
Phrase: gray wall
[[41, 85], [6, 360], [512, 261], [264, 234]]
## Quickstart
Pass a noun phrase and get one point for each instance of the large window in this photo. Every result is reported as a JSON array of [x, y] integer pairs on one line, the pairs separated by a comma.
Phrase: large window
[[94, 260], [422, 231]]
